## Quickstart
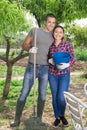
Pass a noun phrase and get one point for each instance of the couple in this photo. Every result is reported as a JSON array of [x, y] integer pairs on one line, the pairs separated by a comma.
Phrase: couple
[[59, 77]]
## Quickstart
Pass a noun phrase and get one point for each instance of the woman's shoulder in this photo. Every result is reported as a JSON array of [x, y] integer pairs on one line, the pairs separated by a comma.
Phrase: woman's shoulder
[[67, 42]]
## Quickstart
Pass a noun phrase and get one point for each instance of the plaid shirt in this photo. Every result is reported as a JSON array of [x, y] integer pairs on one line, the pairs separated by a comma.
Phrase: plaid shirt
[[64, 46]]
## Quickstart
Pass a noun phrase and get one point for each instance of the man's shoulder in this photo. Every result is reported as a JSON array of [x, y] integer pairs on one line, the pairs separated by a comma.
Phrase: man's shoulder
[[35, 28]]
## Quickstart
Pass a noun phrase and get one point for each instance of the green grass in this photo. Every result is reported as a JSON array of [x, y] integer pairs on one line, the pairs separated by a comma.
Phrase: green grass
[[15, 88], [16, 71], [1, 123], [69, 128], [78, 79]]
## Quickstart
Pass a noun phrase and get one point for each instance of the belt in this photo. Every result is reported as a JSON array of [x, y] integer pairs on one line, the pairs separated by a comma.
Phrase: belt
[[37, 64]]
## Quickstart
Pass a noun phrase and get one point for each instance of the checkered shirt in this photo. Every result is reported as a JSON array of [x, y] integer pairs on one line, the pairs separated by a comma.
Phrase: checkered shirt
[[64, 46]]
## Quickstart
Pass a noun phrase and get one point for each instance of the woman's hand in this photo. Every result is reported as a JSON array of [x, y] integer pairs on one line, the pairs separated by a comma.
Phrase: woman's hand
[[62, 66]]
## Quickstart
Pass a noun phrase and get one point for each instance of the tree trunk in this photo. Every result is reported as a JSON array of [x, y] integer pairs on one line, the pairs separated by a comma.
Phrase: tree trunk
[[8, 80]]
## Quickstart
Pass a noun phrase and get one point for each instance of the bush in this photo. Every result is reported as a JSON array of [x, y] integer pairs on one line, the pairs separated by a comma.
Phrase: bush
[[81, 54]]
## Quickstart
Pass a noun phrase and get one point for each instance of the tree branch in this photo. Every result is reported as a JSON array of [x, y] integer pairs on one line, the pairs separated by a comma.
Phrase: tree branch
[[3, 58], [20, 56]]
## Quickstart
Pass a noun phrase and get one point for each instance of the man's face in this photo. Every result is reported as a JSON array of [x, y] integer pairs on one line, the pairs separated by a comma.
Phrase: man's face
[[49, 24]]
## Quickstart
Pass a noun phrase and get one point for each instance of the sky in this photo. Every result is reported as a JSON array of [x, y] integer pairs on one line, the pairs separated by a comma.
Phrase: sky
[[81, 22]]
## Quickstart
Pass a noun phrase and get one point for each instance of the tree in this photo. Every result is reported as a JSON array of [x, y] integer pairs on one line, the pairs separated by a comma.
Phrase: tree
[[12, 22], [79, 35], [65, 10]]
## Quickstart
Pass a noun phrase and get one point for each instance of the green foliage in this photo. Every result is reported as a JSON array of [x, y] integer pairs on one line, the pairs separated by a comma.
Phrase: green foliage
[[16, 71], [85, 112], [1, 123], [69, 128], [80, 36], [15, 88], [81, 54], [65, 10], [5, 116], [12, 19], [77, 34], [1, 108], [2, 83], [16, 83], [36, 7], [48, 90]]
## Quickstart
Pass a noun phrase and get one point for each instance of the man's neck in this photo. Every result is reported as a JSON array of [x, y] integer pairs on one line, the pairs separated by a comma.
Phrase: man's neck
[[45, 29]]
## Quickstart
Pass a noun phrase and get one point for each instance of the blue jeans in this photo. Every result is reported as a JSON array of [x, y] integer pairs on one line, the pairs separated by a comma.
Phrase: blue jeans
[[58, 85], [41, 74]]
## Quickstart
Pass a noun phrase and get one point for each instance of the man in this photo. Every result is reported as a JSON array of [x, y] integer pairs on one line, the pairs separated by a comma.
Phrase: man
[[43, 41]]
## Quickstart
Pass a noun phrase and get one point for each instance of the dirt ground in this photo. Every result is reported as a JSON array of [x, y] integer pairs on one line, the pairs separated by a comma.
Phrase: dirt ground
[[27, 120]]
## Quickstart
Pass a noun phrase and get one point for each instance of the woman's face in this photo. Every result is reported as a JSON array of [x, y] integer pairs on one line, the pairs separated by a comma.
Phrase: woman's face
[[58, 33]]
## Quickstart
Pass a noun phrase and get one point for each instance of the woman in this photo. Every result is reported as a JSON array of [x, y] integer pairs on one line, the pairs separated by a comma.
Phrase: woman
[[59, 74]]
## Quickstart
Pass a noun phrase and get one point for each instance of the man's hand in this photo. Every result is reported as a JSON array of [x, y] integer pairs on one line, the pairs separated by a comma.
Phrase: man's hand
[[51, 61], [62, 66], [26, 43], [33, 50]]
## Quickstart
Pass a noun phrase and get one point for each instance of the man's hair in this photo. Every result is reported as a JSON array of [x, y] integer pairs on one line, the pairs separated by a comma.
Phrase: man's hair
[[49, 15]]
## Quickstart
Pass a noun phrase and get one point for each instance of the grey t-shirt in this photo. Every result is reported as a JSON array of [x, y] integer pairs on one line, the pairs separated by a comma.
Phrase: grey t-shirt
[[43, 42]]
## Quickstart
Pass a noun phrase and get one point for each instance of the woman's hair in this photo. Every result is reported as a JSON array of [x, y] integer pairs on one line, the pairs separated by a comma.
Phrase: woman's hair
[[58, 26]]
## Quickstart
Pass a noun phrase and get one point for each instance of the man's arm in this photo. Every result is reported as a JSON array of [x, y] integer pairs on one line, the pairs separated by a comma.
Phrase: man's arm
[[26, 43]]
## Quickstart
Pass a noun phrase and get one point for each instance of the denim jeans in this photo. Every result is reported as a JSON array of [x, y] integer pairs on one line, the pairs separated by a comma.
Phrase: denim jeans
[[58, 85], [41, 74]]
